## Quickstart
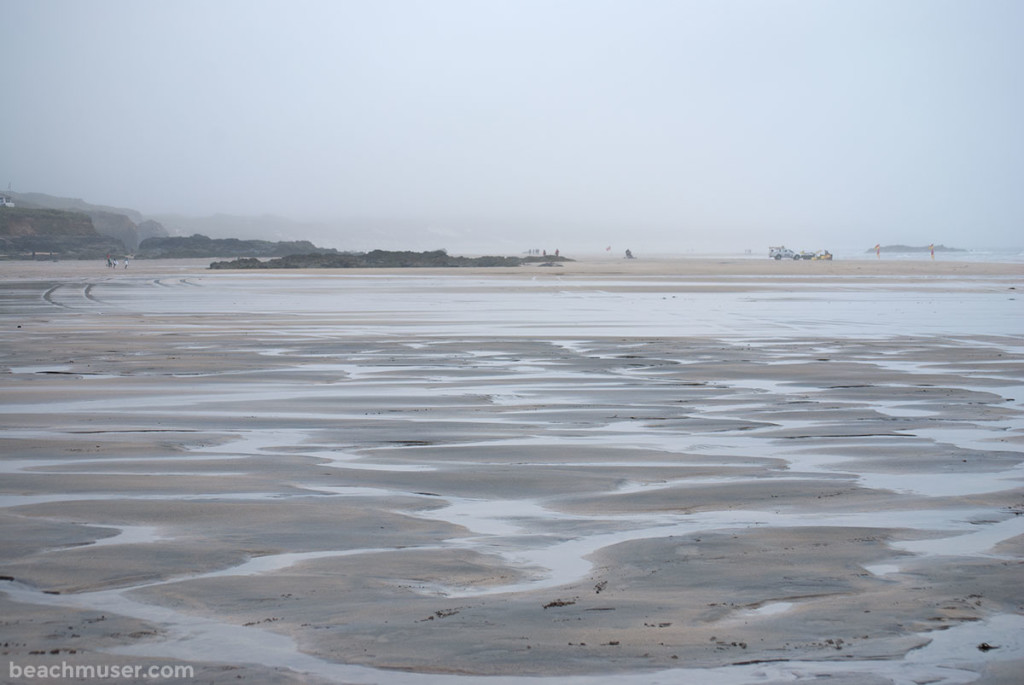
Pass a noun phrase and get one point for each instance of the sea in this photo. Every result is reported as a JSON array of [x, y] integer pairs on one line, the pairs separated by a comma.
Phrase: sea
[[1009, 255]]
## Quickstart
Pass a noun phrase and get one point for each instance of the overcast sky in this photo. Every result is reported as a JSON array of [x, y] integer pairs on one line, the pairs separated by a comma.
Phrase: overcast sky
[[675, 125]]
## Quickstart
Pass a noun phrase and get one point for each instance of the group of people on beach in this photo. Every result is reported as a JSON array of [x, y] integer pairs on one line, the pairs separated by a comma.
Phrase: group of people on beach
[[112, 262]]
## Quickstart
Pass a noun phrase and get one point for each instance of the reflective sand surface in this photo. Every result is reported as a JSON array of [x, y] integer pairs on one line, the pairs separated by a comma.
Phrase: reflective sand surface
[[475, 477]]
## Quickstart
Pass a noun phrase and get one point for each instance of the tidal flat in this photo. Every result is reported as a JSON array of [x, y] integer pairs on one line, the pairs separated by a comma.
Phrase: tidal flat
[[713, 471]]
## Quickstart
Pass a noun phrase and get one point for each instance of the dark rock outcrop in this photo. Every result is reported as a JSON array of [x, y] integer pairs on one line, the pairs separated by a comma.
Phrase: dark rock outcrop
[[202, 246]]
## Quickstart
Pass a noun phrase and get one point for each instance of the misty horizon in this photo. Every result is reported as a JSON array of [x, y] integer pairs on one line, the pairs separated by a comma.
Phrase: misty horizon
[[669, 126]]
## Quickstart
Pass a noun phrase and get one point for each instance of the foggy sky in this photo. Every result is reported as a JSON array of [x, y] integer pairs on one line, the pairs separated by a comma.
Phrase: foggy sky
[[662, 125]]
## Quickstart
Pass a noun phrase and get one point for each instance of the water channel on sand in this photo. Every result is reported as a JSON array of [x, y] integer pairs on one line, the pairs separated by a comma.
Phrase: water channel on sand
[[463, 478]]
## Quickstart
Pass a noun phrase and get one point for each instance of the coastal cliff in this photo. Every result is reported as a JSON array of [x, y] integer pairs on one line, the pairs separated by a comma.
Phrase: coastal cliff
[[52, 233]]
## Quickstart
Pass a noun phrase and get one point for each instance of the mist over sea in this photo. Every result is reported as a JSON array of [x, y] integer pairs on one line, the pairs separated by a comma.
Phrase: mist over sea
[[984, 254], [1007, 255]]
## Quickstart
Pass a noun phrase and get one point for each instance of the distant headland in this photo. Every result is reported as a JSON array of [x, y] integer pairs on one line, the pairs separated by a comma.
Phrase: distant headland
[[37, 226], [382, 259]]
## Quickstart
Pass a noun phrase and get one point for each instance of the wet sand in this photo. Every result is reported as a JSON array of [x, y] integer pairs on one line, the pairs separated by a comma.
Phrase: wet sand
[[716, 471]]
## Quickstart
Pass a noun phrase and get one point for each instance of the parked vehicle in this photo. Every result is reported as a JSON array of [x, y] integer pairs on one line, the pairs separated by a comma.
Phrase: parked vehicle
[[782, 252]]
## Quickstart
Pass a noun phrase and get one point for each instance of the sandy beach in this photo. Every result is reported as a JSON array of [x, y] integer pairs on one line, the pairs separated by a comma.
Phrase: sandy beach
[[716, 470]]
